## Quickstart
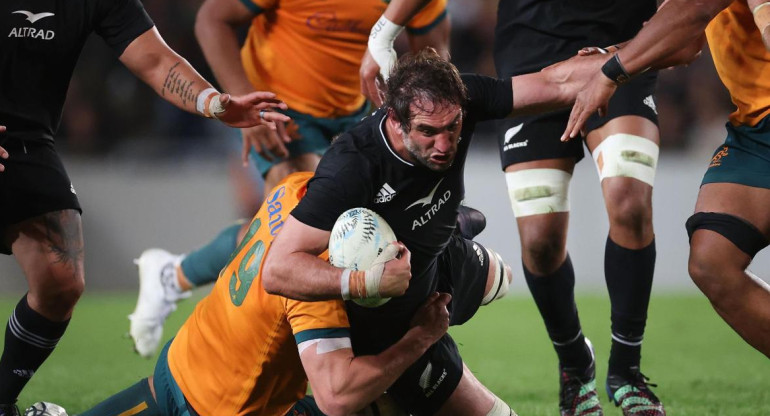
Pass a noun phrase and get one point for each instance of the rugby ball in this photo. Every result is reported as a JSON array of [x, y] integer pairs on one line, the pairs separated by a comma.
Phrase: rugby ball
[[357, 238]]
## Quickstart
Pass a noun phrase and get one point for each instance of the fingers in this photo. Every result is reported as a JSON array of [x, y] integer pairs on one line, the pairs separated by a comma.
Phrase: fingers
[[280, 130], [379, 86], [274, 116], [224, 99], [577, 119], [443, 299]]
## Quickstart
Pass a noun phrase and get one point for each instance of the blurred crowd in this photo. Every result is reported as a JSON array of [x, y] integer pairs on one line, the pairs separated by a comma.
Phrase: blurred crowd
[[108, 111]]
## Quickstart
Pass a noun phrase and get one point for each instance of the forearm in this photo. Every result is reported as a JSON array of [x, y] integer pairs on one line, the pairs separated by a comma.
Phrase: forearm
[[554, 87], [302, 276], [355, 385], [401, 11], [169, 74], [761, 11], [219, 43], [677, 25]]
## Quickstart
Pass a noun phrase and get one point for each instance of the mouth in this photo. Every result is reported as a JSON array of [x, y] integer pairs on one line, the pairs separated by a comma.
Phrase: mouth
[[441, 159]]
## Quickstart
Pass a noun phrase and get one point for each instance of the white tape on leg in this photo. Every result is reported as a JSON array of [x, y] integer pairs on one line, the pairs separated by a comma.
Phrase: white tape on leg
[[501, 283], [627, 155], [538, 191], [500, 408]]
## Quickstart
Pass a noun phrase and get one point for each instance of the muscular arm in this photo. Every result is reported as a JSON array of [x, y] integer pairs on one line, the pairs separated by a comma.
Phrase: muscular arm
[[677, 25], [292, 267], [553, 87], [343, 383], [215, 29], [170, 75]]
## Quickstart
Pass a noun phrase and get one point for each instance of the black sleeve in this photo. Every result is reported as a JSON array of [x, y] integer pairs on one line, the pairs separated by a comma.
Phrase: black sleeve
[[342, 181], [488, 98], [119, 22]]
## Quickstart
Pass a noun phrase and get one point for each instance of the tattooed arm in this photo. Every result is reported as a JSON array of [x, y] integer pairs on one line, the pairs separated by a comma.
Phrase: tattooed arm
[[172, 77]]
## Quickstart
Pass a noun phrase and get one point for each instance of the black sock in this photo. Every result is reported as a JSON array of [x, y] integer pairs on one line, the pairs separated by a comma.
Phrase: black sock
[[554, 295], [629, 280], [29, 340]]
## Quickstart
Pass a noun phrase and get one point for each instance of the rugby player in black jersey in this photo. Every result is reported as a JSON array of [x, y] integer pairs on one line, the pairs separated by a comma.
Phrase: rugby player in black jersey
[[415, 146], [39, 210], [534, 159]]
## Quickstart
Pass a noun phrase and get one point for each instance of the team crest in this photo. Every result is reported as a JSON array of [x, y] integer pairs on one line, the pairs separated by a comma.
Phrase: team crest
[[717, 159]]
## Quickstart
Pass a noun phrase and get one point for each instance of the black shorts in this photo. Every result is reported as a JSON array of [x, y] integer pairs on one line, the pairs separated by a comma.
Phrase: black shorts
[[537, 137], [462, 271], [34, 183]]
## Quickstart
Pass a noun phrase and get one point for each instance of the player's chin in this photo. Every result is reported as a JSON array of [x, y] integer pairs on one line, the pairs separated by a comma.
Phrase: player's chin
[[440, 162]]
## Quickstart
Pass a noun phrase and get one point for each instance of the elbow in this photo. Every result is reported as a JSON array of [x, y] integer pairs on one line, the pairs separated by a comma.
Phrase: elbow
[[270, 277], [336, 405]]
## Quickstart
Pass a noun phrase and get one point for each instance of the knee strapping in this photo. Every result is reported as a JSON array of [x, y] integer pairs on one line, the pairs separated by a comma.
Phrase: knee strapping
[[500, 408], [501, 283], [627, 155], [538, 191], [740, 232]]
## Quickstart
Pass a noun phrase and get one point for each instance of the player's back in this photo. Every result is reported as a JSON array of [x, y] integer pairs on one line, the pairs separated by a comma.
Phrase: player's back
[[531, 34], [237, 354], [308, 52], [741, 60]]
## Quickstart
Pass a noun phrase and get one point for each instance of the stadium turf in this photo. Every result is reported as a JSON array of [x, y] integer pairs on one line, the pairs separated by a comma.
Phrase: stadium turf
[[701, 366]]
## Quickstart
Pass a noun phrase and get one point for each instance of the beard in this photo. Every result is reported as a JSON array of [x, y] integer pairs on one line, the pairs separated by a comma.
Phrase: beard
[[424, 160]]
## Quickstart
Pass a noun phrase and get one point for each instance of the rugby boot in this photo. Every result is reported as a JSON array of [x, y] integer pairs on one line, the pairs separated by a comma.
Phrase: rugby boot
[[158, 294], [45, 409], [633, 395], [577, 390], [471, 222]]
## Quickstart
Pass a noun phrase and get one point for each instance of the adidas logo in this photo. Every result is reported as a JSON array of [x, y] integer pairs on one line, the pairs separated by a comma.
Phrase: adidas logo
[[385, 194], [650, 102]]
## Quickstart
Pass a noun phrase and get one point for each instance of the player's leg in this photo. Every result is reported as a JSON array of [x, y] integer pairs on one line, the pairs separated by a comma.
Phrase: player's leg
[[538, 170], [472, 398], [730, 225], [49, 249], [42, 229], [625, 148]]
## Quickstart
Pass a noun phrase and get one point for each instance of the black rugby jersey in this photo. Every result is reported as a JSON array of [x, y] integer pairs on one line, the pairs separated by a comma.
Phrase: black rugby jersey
[[40, 42], [532, 34], [361, 169]]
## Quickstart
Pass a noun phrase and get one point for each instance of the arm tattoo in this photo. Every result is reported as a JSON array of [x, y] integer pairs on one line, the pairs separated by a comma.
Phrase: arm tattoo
[[179, 86], [64, 238]]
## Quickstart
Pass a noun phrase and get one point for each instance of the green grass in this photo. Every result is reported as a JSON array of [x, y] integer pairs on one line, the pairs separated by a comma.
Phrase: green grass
[[702, 367]]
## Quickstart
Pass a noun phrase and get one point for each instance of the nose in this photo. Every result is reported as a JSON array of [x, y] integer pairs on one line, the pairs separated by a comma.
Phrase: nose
[[443, 142]]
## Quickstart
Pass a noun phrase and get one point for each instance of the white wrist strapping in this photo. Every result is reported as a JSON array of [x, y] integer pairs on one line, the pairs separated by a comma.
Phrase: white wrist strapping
[[345, 284], [381, 39], [208, 103]]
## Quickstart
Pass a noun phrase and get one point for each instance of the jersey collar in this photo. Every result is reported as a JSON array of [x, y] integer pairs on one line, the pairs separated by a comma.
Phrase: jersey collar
[[387, 144]]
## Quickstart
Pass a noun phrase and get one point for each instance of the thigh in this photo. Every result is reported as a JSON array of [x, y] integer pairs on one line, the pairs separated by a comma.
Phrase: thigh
[[34, 183], [49, 249], [427, 384], [469, 398], [746, 202], [463, 272]]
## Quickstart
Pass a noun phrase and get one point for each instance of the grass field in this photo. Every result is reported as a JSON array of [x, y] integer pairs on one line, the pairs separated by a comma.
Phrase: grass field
[[700, 365]]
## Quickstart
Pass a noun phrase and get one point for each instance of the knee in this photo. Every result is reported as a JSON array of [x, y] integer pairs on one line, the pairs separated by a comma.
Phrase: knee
[[542, 254], [712, 276], [59, 291], [629, 207]]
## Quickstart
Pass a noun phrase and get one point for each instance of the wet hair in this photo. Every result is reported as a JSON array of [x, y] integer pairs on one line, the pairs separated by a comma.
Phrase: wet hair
[[423, 77]]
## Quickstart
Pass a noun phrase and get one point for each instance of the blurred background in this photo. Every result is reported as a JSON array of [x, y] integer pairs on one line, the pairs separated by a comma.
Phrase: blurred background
[[150, 175]]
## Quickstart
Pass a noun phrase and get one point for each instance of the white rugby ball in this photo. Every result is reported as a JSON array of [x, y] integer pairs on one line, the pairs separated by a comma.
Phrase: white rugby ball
[[357, 238]]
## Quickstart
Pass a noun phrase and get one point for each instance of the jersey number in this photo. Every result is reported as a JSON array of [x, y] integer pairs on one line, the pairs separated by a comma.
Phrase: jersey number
[[241, 280]]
